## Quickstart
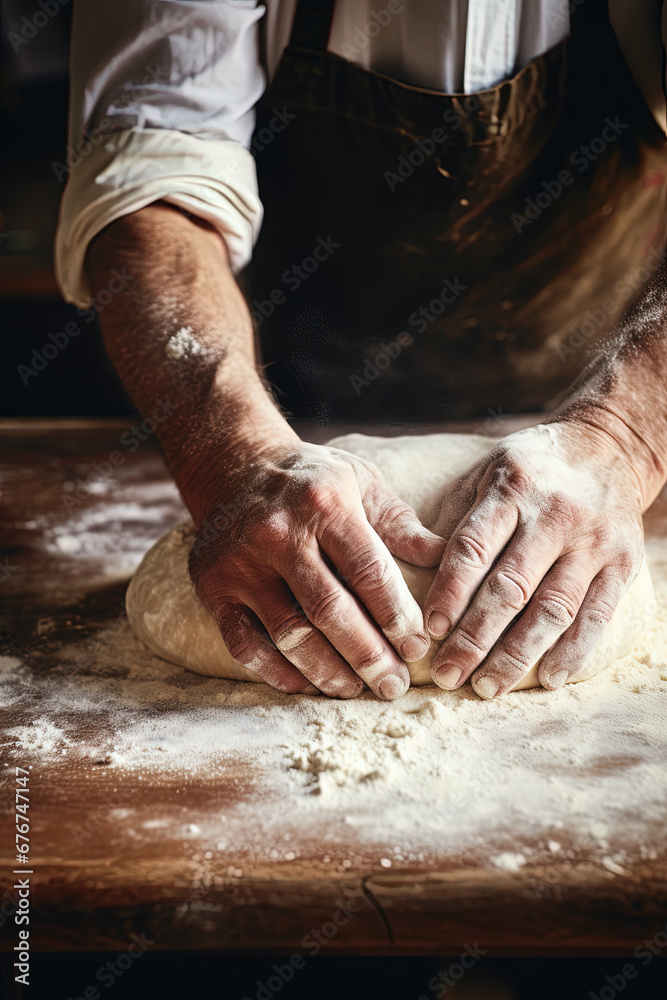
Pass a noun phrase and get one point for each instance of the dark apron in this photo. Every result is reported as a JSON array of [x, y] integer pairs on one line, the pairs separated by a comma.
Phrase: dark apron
[[426, 255]]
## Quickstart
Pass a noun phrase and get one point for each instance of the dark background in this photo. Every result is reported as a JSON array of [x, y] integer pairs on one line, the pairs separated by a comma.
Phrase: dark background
[[80, 381], [163, 976], [33, 121]]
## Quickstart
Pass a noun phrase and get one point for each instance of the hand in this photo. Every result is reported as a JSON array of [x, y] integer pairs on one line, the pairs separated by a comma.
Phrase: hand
[[546, 539], [299, 573]]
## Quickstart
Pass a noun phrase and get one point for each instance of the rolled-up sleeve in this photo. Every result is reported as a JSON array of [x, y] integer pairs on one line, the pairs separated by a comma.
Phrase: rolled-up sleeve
[[161, 107]]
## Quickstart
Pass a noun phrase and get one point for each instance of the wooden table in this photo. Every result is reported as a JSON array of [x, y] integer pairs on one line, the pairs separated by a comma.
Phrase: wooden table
[[95, 882]]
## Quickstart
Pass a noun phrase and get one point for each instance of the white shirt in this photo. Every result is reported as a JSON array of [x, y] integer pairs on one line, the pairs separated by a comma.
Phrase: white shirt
[[163, 93]]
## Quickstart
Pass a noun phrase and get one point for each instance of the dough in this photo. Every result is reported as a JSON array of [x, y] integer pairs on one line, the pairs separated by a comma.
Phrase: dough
[[167, 616]]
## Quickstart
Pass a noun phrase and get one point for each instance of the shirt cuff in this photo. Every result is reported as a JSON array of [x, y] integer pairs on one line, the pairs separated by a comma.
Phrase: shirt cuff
[[214, 179]]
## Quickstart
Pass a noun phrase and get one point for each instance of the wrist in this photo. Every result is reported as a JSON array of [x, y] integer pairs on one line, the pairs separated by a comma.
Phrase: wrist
[[219, 444], [620, 442]]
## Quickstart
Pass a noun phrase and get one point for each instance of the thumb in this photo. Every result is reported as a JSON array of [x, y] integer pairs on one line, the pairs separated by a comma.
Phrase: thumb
[[401, 530]]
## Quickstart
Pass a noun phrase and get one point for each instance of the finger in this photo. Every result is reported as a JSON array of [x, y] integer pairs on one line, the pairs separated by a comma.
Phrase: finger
[[301, 643], [368, 570], [502, 596], [310, 689], [551, 611], [469, 555], [400, 529], [336, 614], [569, 655], [244, 638]]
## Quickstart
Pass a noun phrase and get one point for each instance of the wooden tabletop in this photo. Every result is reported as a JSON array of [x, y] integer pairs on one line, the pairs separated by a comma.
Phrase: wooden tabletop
[[117, 850]]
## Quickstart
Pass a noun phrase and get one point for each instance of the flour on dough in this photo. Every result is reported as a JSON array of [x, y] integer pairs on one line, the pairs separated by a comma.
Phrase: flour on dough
[[167, 616]]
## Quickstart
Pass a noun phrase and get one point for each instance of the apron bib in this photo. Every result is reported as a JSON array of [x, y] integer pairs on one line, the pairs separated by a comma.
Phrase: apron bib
[[426, 256]]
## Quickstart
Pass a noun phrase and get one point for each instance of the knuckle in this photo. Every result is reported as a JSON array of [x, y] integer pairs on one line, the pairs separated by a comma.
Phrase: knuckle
[[603, 535], [561, 514], [513, 665], [600, 613], [368, 657], [468, 551], [215, 592], [626, 567], [317, 495], [326, 610], [510, 479], [511, 587], [289, 630], [391, 620], [374, 574], [557, 608], [239, 646], [392, 510], [472, 642], [274, 527], [393, 623]]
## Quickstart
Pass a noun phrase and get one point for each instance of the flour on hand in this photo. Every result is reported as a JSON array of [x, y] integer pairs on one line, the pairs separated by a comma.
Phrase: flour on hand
[[167, 616]]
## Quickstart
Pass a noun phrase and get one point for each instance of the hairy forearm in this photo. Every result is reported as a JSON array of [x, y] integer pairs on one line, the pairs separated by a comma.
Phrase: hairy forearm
[[181, 330], [623, 391]]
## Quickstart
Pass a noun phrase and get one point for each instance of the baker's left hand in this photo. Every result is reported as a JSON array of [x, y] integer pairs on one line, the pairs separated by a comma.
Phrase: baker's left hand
[[545, 534]]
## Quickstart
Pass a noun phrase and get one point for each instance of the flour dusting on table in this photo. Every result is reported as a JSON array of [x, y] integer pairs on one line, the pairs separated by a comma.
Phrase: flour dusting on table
[[434, 771]]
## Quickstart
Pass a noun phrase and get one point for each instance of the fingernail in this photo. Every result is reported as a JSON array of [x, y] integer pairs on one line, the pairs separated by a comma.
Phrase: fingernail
[[392, 687], [438, 624], [485, 687], [557, 678], [414, 647], [447, 676]]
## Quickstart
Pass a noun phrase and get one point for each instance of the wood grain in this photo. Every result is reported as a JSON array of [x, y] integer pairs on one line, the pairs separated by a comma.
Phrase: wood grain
[[95, 882]]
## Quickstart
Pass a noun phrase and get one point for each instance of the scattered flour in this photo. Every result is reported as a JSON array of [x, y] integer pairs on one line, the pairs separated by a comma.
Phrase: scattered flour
[[578, 770], [434, 770], [41, 735], [183, 344], [116, 533], [509, 862], [8, 667]]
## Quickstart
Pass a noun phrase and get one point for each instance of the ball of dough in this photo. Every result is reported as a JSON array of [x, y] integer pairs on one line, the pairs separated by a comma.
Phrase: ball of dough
[[167, 616]]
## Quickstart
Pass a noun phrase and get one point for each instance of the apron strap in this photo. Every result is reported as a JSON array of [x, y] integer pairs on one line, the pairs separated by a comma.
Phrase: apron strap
[[312, 24]]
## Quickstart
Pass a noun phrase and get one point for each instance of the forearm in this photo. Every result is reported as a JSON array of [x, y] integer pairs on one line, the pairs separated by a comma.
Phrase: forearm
[[623, 392], [181, 330]]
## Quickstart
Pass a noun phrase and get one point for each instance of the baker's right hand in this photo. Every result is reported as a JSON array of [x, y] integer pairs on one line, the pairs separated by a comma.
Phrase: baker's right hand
[[294, 561]]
